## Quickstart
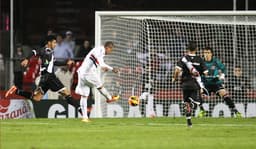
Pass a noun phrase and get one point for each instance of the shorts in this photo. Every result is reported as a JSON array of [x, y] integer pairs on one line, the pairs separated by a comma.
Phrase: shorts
[[50, 81], [85, 82], [193, 94], [214, 88]]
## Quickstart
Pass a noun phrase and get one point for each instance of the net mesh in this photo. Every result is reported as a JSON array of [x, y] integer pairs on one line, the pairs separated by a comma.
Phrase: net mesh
[[147, 49]]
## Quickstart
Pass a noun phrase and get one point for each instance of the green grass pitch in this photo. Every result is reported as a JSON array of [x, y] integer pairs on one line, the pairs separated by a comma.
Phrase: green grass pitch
[[132, 133]]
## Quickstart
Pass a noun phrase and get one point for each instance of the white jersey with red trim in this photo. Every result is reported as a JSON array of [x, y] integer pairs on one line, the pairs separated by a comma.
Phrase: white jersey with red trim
[[92, 61]]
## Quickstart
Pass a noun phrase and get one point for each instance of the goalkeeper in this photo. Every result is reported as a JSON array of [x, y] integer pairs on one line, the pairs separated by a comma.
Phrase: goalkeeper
[[214, 81]]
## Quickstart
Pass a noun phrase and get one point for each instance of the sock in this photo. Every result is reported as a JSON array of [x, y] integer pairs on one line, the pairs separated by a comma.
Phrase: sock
[[201, 104], [71, 101], [189, 122], [83, 104], [151, 105], [188, 111], [24, 94], [89, 109], [230, 103], [105, 93]]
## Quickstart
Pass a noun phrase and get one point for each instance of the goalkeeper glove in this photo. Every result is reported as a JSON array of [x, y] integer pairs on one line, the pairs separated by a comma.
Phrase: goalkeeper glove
[[222, 77]]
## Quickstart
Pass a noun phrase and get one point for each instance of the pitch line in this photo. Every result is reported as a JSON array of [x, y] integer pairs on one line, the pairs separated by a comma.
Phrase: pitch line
[[28, 123], [200, 124]]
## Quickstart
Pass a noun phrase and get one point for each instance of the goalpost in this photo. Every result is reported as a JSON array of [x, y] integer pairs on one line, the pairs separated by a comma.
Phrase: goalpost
[[148, 45]]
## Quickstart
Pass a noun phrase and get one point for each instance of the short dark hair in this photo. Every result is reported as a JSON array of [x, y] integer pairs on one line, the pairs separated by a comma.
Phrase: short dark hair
[[108, 44], [50, 38], [238, 66], [209, 48], [192, 46]]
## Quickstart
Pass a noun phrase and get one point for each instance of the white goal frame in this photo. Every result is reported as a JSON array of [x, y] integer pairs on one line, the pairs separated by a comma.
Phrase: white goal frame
[[99, 14]]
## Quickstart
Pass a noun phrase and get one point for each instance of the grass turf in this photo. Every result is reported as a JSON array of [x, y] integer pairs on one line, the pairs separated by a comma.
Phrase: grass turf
[[158, 133]]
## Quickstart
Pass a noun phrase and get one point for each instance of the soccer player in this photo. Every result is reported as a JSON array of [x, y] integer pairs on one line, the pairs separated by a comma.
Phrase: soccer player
[[190, 86], [48, 80], [88, 76], [214, 82]]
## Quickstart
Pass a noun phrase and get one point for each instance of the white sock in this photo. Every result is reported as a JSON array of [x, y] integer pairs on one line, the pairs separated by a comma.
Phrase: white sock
[[83, 104], [151, 105], [105, 93]]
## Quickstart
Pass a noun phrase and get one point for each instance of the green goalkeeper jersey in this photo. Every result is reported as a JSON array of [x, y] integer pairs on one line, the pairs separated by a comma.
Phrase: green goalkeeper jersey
[[215, 67]]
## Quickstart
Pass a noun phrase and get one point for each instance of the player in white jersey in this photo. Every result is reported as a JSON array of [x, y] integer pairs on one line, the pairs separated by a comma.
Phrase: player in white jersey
[[88, 76]]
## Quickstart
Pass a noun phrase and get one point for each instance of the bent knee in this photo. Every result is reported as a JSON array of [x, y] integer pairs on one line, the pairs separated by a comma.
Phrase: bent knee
[[64, 92], [37, 97], [222, 92]]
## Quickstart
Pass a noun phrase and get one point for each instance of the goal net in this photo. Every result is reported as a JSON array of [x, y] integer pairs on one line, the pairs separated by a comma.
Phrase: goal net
[[148, 46]]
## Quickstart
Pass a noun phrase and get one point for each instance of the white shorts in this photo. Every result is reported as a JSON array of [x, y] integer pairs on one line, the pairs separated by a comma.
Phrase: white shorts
[[85, 82]]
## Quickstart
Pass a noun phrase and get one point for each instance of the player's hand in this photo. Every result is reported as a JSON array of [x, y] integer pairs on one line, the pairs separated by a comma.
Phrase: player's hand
[[115, 70], [105, 69], [174, 80], [24, 63], [222, 77], [70, 62], [194, 72]]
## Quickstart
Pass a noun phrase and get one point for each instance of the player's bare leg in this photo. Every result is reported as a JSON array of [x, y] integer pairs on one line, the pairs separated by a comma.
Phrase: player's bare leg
[[107, 95], [38, 95]]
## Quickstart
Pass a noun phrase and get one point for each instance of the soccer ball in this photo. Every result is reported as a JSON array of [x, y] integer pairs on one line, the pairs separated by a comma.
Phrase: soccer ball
[[134, 100]]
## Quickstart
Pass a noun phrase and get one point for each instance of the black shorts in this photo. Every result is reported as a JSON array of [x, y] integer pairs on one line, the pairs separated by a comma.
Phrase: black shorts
[[214, 88], [50, 81], [193, 94]]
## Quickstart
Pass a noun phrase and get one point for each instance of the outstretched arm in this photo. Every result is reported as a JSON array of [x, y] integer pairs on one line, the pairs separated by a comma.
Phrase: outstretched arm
[[106, 67], [176, 73], [63, 63]]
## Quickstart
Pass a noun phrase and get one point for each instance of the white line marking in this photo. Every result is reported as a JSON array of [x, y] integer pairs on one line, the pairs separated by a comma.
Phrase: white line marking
[[215, 125], [28, 123], [137, 124]]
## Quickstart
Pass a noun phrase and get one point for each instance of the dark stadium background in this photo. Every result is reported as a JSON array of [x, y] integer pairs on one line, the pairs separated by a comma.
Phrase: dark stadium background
[[33, 18]]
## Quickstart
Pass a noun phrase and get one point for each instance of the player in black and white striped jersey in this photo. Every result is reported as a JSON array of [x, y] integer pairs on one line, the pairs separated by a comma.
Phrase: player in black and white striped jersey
[[48, 80], [190, 86]]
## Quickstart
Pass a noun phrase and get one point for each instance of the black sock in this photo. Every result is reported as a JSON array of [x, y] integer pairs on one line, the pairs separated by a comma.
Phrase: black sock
[[188, 111], [73, 102], [188, 117], [202, 108], [24, 94], [230, 103], [189, 122], [235, 110], [201, 103]]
